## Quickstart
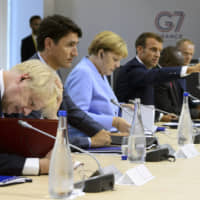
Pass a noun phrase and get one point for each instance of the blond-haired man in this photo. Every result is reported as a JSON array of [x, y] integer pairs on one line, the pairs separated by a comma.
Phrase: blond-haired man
[[31, 85]]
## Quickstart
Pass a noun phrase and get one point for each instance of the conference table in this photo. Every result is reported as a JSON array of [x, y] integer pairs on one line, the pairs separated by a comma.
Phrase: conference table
[[178, 180]]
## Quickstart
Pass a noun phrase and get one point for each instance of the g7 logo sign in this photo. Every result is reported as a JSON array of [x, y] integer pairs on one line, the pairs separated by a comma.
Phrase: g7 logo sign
[[166, 21]]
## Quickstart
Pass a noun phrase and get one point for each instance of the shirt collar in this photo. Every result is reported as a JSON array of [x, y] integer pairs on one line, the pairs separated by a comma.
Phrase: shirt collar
[[40, 57], [1, 83], [138, 59], [92, 66], [42, 60]]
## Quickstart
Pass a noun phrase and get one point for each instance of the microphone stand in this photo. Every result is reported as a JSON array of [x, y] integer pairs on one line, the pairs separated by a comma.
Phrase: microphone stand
[[98, 182], [27, 125]]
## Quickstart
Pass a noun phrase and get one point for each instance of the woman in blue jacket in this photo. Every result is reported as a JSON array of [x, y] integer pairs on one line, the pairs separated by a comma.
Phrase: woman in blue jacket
[[88, 86]]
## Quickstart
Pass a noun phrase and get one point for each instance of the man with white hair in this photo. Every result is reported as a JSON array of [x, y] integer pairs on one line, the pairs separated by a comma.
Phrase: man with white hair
[[31, 85]]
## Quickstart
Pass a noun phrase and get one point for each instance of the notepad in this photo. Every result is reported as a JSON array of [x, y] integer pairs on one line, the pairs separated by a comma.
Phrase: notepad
[[10, 180]]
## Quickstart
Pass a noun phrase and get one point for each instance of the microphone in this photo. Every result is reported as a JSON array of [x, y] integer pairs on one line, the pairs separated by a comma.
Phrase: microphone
[[194, 98], [100, 182], [117, 104], [27, 125]]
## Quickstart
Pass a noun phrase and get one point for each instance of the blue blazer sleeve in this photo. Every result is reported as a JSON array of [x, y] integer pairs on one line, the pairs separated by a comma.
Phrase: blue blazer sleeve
[[91, 93]]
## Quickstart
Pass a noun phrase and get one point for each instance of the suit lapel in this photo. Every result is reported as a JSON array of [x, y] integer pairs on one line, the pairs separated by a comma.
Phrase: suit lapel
[[175, 91], [173, 94], [0, 107]]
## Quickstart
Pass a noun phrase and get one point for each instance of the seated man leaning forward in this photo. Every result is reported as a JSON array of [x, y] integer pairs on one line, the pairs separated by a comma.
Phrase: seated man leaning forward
[[28, 86], [57, 40]]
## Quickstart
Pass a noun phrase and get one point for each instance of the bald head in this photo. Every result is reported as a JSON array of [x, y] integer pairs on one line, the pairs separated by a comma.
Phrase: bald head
[[171, 56]]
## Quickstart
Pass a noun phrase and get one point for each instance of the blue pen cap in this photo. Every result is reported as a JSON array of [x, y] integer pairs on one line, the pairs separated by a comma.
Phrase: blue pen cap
[[124, 157], [185, 94], [62, 113], [160, 129]]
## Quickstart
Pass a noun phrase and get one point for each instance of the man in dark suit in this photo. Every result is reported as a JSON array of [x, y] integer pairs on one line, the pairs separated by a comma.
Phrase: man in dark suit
[[137, 78], [57, 40], [29, 44], [169, 95], [187, 48], [20, 94]]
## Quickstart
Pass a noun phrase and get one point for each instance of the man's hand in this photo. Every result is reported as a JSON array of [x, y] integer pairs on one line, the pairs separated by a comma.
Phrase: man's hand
[[128, 105], [121, 124], [169, 118], [44, 163], [193, 69], [102, 138]]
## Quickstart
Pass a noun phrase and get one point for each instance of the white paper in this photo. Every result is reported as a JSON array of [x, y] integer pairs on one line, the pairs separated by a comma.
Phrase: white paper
[[75, 193], [127, 114], [138, 175], [187, 151], [148, 116]]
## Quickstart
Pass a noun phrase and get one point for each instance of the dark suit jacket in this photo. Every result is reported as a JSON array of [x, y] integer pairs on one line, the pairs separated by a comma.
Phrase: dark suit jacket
[[27, 48], [134, 80], [170, 98], [10, 164]]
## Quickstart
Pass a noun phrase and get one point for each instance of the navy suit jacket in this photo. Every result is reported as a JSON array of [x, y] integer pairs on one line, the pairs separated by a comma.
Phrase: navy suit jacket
[[27, 48], [134, 80], [169, 98]]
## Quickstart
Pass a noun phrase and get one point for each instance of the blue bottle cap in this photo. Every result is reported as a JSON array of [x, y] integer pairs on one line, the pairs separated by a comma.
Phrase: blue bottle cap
[[62, 113], [123, 157], [185, 94]]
